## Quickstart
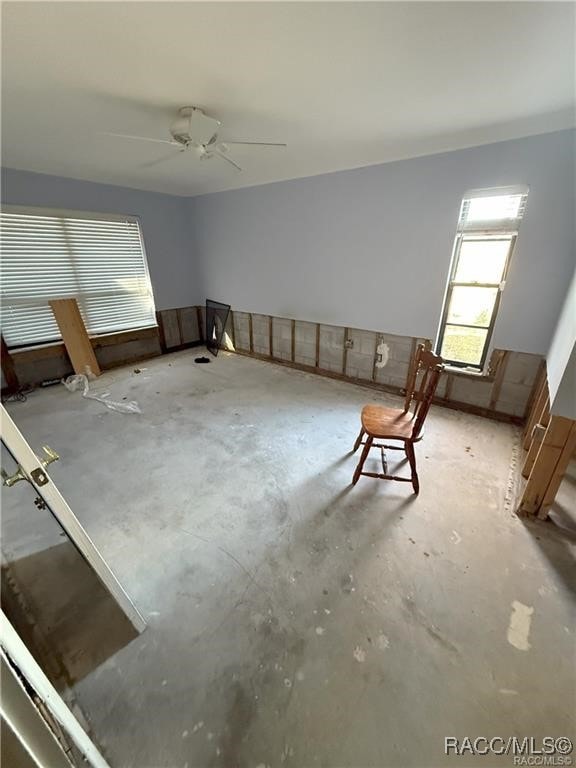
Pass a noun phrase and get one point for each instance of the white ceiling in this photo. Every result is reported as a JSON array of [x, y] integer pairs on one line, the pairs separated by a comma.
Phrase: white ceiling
[[344, 84]]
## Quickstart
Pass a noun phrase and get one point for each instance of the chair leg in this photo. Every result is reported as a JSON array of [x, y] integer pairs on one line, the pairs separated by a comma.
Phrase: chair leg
[[358, 440], [410, 452], [363, 457]]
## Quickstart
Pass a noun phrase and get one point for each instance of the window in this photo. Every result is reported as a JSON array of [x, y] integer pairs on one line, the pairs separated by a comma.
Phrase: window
[[485, 239], [98, 260]]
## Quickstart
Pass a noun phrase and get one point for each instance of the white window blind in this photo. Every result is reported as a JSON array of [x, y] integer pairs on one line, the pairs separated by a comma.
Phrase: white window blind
[[97, 260], [500, 211]]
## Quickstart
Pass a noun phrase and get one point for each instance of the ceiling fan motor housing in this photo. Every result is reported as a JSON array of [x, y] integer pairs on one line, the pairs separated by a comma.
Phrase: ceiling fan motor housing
[[192, 126]]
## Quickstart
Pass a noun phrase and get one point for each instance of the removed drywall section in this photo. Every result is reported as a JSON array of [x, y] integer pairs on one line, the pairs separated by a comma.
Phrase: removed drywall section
[[242, 330], [518, 383], [305, 335], [331, 350], [261, 334], [397, 354], [383, 360], [360, 354], [282, 338]]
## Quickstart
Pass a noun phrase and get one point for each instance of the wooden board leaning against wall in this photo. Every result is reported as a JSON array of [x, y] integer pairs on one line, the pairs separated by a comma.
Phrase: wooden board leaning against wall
[[550, 443]]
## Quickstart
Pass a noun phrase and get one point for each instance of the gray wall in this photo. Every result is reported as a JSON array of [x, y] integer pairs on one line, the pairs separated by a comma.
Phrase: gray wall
[[561, 359], [163, 218], [370, 248]]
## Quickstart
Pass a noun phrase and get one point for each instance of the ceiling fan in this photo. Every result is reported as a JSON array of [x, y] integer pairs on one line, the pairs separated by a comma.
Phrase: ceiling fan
[[195, 131]]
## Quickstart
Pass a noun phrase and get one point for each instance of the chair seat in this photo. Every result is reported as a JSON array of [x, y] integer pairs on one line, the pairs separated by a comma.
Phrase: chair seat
[[382, 422]]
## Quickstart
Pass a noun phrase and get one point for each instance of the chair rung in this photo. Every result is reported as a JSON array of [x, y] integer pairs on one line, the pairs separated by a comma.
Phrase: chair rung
[[387, 477], [382, 445]]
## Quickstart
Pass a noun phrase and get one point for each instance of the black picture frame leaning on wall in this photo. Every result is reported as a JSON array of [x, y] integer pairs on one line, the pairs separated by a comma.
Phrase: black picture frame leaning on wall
[[216, 319]]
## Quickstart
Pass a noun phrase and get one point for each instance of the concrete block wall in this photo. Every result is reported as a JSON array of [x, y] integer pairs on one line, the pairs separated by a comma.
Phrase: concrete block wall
[[360, 357], [399, 351], [241, 322], [331, 351], [519, 379], [305, 343], [355, 354], [282, 338], [261, 334]]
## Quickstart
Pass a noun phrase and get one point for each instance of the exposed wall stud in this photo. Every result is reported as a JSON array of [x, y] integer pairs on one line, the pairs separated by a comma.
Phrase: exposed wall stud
[[232, 329], [549, 467], [271, 335], [317, 345], [541, 404], [344, 351], [200, 323], [293, 340], [251, 332], [8, 369], [500, 370]]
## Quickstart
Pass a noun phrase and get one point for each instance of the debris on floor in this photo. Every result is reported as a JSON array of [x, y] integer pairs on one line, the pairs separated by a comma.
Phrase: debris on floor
[[201, 360], [80, 382]]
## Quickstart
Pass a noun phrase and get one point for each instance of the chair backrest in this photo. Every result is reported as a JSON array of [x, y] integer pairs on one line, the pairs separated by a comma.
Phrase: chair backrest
[[422, 383]]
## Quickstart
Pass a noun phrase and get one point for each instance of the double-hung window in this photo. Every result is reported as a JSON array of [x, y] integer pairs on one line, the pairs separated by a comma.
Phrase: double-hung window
[[485, 240], [99, 260]]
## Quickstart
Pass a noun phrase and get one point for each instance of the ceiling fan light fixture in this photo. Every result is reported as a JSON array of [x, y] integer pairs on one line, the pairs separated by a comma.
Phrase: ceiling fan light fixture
[[192, 126]]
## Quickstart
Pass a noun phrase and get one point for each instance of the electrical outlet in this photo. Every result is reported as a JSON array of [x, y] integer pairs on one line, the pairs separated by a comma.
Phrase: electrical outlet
[[349, 343]]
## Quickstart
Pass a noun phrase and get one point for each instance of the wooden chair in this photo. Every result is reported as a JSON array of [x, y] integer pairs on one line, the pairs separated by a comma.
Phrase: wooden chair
[[382, 423]]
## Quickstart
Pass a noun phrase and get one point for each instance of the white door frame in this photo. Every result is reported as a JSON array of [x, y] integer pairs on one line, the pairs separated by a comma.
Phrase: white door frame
[[15, 649], [29, 463]]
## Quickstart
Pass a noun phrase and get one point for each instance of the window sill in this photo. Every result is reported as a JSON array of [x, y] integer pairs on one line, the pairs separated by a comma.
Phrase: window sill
[[453, 370]]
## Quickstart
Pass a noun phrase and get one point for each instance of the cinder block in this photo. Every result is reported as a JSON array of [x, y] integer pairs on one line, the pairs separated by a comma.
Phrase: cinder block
[[331, 348], [474, 391], [522, 368], [282, 338], [514, 395], [242, 331], [261, 334], [305, 343]]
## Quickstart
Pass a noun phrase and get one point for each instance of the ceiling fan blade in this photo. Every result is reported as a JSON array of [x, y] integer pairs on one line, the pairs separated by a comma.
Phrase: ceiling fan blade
[[255, 143], [161, 159], [140, 138], [228, 160]]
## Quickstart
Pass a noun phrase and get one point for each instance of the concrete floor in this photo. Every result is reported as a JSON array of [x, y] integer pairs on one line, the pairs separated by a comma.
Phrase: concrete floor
[[294, 620]]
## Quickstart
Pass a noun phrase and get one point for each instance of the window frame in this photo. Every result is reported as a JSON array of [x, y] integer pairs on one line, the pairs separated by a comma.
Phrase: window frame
[[498, 229], [64, 213]]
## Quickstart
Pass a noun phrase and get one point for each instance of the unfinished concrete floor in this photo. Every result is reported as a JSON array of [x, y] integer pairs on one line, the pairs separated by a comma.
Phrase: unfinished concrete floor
[[294, 620]]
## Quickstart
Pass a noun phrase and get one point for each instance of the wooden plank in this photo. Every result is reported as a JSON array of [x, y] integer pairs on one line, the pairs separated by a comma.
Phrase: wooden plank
[[536, 386], [561, 466], [545, 466], [200, 323], [376, 345], [345, 352], [74, 336], [317, 345], [503, 356], [539, 407], [293, 340], [537, 436], [232, 329], [8, 369], [270, 336], [251, 331]]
